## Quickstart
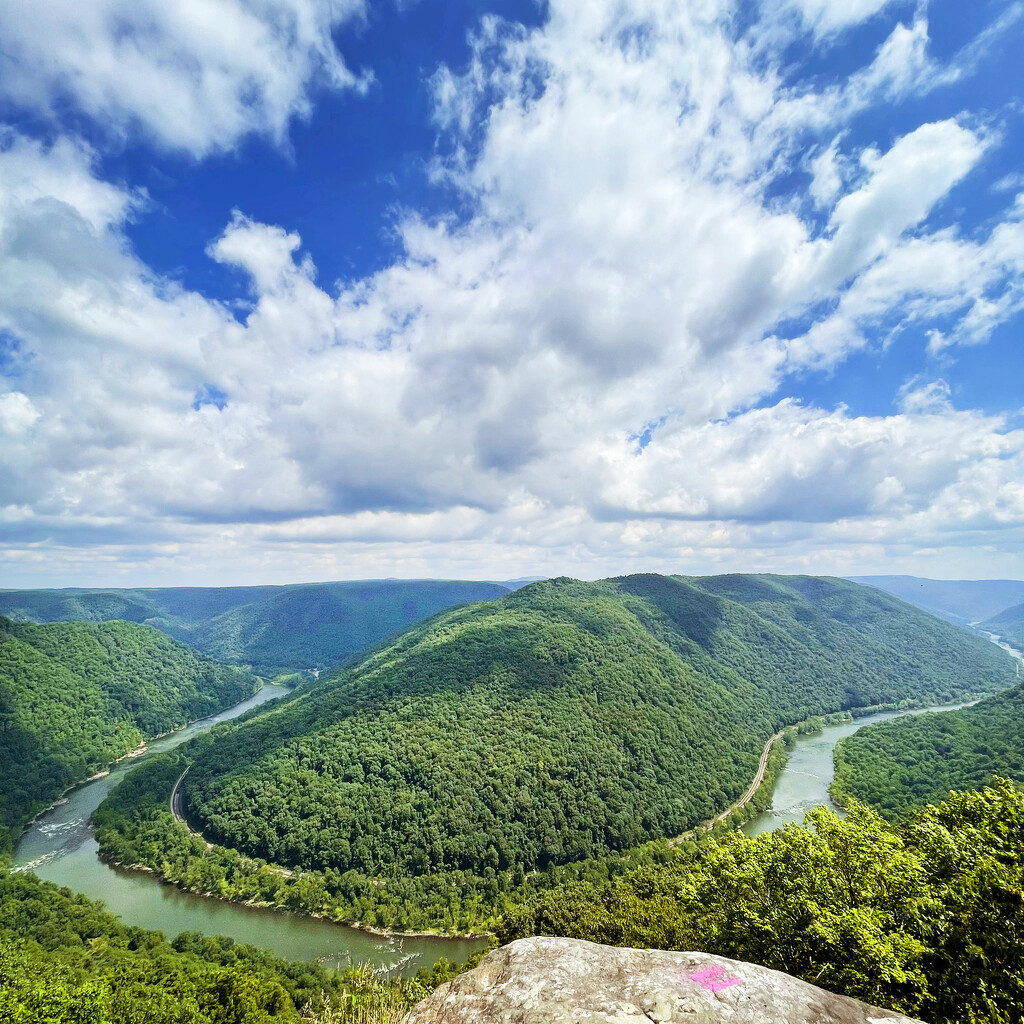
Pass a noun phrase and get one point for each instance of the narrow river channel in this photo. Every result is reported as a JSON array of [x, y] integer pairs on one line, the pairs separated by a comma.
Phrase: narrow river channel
[[804, 781], [61, 847]]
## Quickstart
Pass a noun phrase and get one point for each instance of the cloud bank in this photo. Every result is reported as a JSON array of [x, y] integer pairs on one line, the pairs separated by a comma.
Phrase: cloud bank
[[590, 371]]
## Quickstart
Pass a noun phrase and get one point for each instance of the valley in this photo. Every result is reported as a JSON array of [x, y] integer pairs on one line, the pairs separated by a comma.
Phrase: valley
[[421, 788], [76, 696], [807, 778], [275, 630], [493, 765], [1008, 625], [60, 847], [964, 601], [902, 766]]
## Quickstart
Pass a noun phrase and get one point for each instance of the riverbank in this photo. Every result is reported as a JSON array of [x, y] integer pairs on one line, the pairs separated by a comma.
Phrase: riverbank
[[62, 848], [132, 824], [176, 810], [213, 890], [901, 766], [136, 825], [139, 750], [808, 774], [739, 805], [263, 905]]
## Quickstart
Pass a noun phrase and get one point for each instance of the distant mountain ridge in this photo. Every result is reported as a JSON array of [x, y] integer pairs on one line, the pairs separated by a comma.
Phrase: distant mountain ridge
[[272, 628], [963, 601]]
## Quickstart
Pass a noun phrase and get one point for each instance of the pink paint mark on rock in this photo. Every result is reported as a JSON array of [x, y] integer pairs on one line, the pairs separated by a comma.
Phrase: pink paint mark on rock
[[711, 978]]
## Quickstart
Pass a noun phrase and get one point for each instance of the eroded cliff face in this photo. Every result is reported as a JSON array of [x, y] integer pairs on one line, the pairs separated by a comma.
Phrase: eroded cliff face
[[566, 981]]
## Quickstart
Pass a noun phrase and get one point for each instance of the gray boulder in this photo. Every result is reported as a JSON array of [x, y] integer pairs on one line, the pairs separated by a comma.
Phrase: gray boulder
[[566, 981]]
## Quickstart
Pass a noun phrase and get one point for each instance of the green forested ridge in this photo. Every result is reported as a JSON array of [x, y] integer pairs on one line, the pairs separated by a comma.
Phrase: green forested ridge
[[313, 625], [926, 917], [65, 960], [563, 722], [76, 696], [1008, 624], [902, 764]]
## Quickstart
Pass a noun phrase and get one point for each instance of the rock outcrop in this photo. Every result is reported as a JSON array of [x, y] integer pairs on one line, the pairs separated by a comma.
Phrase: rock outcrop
[[566, 981]]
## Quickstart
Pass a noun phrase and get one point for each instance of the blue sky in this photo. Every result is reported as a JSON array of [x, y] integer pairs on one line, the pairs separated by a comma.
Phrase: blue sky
[[319, 289]]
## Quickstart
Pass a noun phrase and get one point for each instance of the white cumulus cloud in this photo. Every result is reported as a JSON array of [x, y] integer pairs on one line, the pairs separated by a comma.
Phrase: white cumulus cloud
[[589, 368], [195, 75]]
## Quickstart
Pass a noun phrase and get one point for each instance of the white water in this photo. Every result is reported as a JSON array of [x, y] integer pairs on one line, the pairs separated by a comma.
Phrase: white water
[[60, 847]]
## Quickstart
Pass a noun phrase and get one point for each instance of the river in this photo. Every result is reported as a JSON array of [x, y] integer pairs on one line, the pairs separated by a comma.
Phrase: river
[[804, 781], [60, 847]]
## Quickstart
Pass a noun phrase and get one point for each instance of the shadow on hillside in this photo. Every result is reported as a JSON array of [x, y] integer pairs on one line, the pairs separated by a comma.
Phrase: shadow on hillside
[[693, 612]]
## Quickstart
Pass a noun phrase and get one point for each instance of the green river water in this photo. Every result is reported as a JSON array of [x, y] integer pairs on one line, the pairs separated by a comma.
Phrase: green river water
[[810, 769], [804, 782]]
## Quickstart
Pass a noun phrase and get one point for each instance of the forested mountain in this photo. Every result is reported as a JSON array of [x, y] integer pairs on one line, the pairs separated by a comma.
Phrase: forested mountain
[[902, 764], [74, 696], [924, 917], [1009, 624], [564, 721], [962, 601], [314, 625]]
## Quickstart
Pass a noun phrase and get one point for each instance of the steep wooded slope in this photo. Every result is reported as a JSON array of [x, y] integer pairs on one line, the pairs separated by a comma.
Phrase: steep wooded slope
[[924, 916], [565, 720], [313, 625], [903, 764], [74, 696], [64, 959]]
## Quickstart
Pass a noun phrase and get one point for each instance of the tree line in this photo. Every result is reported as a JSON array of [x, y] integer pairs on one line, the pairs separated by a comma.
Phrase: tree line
[[900, 765], [925, 917], [66, 960]]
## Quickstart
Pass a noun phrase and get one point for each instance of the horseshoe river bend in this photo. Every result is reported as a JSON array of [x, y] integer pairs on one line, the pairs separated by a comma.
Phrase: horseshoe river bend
[[59, 846]]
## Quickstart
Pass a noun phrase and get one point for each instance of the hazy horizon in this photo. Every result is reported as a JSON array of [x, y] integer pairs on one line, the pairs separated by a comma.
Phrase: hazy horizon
[[474, 579]]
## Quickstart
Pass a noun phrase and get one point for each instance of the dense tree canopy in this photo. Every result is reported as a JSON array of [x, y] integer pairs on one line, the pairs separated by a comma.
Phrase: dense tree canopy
[[65, 960], [903, 764], [75, 696], [926, 917], [135, 825], [271, 629], [509, 757], [565, 721]]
